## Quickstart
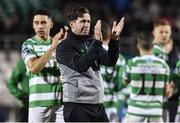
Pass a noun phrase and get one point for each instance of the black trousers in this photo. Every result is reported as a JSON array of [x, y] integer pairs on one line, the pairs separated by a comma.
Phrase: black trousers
[[78, 112], [22, 115]]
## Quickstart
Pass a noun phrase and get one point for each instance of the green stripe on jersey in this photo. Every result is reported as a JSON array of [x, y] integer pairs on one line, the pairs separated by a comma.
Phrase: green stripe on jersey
[[41, 88], [145, 104], [148, 91], [110, 104], [45, 103], [144, 115]]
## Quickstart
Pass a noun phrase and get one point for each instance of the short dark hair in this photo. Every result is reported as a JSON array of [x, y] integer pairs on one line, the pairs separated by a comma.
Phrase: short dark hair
[[144, 40], [76, 12], [161, 22], [42, 11]]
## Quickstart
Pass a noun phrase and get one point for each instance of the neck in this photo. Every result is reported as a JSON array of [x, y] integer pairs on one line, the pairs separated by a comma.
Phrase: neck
[[78, 37], [156, 42], [45, 38], [106, 41], [74, 32], [144, 52]]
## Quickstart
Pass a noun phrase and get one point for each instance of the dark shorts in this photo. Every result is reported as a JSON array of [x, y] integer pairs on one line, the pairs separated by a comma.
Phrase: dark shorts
[[78, 112]]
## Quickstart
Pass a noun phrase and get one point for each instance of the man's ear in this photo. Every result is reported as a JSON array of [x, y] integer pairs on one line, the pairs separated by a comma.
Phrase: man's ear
[[71, 23], [153, 32], [137, 45], [52, 24], [33, 26]]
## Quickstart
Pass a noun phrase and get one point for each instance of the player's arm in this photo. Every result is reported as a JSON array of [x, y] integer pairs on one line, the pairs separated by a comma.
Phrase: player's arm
[[16, 78], [169, 88], [37, 64], [126, 72], [175, 77], [126, 75]]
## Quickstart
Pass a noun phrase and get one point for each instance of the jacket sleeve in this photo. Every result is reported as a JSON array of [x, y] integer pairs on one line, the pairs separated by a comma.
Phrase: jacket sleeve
[[67, 55], [110, 57], [16, 78]]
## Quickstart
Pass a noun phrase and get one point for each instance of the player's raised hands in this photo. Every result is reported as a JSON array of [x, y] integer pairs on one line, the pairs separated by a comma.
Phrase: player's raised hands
[[61, 35], [117, 29], [97, 31]]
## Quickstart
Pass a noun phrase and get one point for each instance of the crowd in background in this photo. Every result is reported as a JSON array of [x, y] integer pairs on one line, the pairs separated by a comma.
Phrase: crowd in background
[[16, 16], [16, 25]]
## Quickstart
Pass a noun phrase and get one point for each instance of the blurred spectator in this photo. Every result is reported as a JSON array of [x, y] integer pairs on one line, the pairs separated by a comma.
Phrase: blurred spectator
[[8, 14], [172, 103], [19, 87]]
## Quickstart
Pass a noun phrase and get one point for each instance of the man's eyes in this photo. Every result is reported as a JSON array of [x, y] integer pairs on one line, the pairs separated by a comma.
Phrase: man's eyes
[[84, 21], [164, 32], [43, 22]]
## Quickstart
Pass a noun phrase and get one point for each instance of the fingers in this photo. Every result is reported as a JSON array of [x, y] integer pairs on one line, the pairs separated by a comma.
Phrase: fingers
[[59, 34], [65, 32], [120, 26], [117, 28], [113, 27], [65, 35], [66, 28], [121, 22], [98, 26], [61, 31], [97, 31]]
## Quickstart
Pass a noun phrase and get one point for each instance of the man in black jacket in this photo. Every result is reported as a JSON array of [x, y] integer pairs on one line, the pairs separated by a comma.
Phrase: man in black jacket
[[79, 59]]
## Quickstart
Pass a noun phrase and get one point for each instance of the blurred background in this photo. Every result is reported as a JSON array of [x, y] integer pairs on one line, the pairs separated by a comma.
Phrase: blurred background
[[16, 26]]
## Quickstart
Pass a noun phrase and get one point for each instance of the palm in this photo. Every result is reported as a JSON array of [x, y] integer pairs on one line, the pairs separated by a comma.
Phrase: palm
[[117, 29]]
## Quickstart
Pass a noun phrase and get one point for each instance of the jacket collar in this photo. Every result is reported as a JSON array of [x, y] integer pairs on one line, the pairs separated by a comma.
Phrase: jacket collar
[[79, 38]]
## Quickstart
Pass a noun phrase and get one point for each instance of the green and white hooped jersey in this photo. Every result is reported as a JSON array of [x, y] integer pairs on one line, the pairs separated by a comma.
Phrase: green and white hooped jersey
[[45, 86], [160, 52], [112, 82], [148, 76]]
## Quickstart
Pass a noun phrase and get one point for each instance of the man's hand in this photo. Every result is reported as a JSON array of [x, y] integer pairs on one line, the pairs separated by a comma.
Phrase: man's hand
[[169, 89], [117, 29], [61, 35], [25, 100], [97, 31]]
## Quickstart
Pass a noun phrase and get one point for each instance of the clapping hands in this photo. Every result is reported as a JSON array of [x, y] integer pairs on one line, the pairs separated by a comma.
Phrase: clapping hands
[[61, 35], [115, 31]]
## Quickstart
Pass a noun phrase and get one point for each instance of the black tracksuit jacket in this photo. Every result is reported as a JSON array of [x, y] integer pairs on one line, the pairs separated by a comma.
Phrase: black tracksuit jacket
[[79, 59]]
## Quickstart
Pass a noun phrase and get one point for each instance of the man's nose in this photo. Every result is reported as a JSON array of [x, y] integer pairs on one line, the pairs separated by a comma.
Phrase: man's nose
[[86, 24], [164, 34], [40, 26]]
